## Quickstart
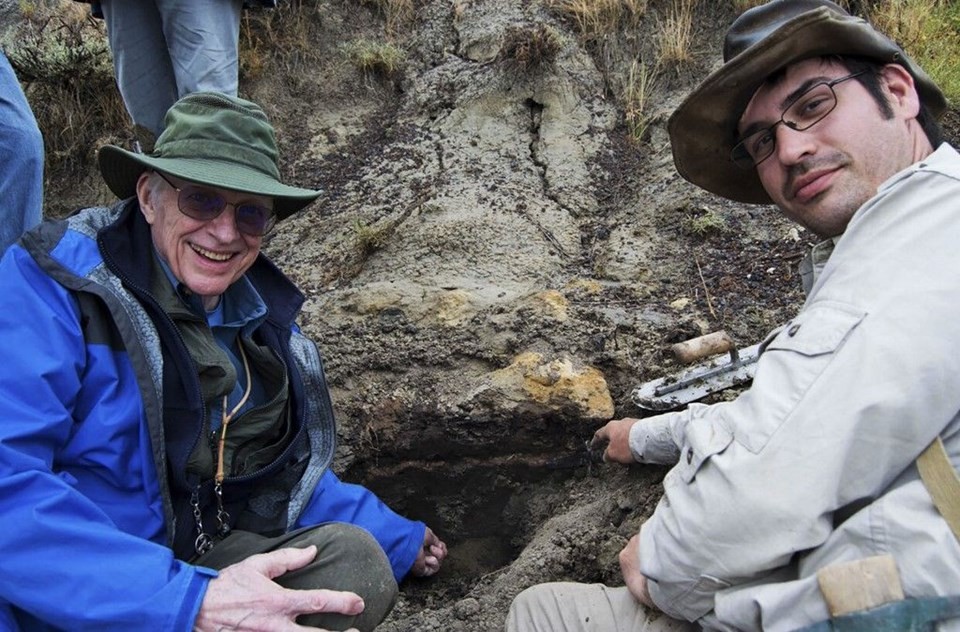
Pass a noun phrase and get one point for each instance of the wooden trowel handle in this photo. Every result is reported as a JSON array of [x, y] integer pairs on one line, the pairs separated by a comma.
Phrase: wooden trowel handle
[[707, 345]]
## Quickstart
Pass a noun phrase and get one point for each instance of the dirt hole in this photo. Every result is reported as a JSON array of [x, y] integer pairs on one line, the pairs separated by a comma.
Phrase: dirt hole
[[486, 510]]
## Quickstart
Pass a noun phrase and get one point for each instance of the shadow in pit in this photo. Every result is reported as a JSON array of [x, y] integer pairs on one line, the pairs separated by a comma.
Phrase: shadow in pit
[[486, 510]]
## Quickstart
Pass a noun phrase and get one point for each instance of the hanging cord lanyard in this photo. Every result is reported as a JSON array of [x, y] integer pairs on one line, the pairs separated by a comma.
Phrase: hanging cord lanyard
[[204, 542]]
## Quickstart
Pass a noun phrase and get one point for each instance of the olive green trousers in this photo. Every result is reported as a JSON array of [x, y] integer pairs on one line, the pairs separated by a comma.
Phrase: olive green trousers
[[348, 558]]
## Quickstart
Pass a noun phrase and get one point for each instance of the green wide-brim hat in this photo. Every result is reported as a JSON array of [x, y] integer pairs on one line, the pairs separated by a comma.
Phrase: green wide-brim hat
[[213, 139], [763, 40]]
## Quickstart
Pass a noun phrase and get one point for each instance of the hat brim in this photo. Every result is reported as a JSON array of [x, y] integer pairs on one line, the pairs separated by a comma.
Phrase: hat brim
[[703, 129], [121, 169]]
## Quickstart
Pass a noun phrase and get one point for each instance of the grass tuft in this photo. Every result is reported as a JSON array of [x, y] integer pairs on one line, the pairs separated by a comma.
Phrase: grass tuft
[[704, 222], [529, 48], [675, 34], [596, 20], [371, 238], [636, 98], [374, 58]]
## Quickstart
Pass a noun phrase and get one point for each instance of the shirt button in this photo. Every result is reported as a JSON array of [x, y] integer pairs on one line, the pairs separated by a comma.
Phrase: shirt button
[[793, 331], [689, 455]]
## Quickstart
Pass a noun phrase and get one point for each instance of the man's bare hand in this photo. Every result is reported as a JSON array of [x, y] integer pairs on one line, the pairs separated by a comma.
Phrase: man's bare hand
[[431, 555], [616, 435], [632, 577], [244, 596]]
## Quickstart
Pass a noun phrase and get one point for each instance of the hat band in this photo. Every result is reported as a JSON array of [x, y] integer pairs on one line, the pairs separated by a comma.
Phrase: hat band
[[218, 151]]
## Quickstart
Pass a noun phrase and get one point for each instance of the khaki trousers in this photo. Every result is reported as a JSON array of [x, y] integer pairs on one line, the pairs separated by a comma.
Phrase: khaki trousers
[[348, 558], [570, 607]]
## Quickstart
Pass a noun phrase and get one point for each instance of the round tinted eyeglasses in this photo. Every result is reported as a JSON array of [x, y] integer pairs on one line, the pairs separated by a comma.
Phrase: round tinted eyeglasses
[[204, 204], [803, 112]]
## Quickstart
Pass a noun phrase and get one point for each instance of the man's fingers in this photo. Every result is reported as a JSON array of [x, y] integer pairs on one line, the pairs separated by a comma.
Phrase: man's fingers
[[337, 601], [276, 563], [430, 566], [600, 437]]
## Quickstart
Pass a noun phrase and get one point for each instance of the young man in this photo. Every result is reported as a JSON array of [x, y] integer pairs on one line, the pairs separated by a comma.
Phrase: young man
[[815, 468], [164, 418]]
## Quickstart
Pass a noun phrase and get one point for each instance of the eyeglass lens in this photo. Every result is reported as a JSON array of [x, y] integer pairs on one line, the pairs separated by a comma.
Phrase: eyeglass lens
[[204, 205], [808, 109]]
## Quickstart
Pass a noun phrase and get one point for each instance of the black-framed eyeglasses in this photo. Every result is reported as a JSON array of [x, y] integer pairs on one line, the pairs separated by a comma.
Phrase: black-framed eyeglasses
[[806, 110], [205, 204]]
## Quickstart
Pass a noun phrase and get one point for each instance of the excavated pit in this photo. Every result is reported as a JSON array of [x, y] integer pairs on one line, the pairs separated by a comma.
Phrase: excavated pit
[[485, 509]]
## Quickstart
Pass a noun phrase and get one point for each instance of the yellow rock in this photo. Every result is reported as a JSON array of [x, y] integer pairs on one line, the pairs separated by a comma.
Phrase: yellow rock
[[554, 385], [553, 304]]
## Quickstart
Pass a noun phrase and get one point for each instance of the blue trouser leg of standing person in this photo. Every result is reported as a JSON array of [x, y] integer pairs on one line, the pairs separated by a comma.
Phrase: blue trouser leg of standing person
[[21, 160]]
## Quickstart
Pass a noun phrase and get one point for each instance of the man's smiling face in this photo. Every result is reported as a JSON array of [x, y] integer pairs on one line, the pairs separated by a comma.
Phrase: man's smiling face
[[206, 256], [820, 176]]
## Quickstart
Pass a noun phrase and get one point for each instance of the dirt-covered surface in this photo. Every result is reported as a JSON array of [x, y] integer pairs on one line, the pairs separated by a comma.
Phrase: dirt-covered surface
[[493, 267]]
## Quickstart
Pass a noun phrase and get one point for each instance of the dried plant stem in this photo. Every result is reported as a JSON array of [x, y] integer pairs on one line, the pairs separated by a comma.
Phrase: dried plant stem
[[703, 282]]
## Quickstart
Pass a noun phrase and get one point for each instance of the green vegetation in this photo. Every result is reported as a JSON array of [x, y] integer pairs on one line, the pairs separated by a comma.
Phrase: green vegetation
[[929, 30], [371, 238], [375, 58], [703, 223]]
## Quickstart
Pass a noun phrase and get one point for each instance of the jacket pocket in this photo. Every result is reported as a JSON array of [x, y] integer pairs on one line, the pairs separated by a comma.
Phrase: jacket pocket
[[703, 439], [793, 358]]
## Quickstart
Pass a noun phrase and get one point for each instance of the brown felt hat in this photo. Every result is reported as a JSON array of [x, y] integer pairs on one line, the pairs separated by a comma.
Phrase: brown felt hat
[[214, 139], [703, 130]]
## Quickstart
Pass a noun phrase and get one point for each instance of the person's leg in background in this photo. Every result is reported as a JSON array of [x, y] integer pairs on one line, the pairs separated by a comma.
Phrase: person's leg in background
[[140, 60], [203, 40], [21, 160], [572, 607]]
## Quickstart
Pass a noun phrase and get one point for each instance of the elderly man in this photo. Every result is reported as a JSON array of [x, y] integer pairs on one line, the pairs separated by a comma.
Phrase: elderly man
[[822, 469], [167, 431]]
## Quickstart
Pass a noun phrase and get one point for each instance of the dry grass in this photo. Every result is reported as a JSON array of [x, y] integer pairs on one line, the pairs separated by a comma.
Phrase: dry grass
[[283, 36], [675, 34], [636, 98], [375, 58], [529, 48], [62, 57], [597, 19], [397, 13]]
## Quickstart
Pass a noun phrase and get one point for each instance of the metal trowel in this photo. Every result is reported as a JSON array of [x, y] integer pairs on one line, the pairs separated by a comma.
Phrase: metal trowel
[[735, 368]]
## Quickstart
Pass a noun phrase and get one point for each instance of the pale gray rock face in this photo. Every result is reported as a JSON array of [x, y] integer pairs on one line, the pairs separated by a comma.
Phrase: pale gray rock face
[[491, 269]]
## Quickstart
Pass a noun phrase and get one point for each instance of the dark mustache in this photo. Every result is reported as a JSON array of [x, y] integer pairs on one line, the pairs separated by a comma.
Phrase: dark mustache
[[827, 162]]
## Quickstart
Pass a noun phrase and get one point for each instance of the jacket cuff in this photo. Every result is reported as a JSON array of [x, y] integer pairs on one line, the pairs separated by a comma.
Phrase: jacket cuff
[[651, 441]]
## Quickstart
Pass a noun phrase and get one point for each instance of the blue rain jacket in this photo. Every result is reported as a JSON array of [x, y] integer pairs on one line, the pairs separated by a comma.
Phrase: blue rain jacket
[[88, 529]]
